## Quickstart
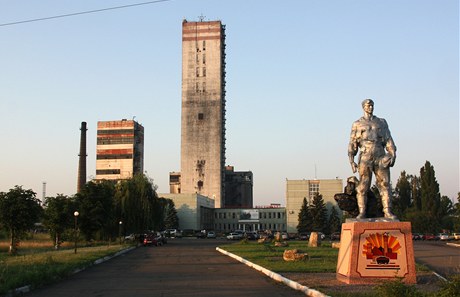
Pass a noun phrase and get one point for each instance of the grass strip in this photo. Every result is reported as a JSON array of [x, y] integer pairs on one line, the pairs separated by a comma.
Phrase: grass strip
[[41, 268]]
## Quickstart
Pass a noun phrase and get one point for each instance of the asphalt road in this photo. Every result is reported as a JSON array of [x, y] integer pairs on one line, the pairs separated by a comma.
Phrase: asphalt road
[[183, 267], [438, 256]]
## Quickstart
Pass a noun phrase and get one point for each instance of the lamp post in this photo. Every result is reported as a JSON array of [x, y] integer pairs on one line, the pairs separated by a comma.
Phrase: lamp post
[[119, 230], [75, 214]]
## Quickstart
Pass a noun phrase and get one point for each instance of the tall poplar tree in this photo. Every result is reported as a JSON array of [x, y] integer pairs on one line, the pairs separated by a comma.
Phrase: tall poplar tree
[[429, 190], [403, 197]]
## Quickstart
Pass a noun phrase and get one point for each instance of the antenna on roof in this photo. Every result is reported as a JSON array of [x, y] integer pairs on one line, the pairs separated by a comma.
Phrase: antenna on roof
[[201, 17]]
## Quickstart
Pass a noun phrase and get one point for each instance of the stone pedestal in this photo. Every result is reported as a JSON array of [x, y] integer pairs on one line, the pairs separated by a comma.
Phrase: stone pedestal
[[374, 251]]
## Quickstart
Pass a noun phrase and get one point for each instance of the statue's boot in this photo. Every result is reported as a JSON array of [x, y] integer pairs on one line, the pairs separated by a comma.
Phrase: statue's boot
[[389, 214], [362, 213]]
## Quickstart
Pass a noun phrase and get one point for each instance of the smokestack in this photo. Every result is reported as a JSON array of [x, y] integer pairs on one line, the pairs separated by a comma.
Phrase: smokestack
[[82, 159]]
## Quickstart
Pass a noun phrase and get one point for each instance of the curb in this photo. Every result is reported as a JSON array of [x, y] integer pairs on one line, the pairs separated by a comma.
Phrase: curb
[[453, 244], [275, 276], [28, 288]]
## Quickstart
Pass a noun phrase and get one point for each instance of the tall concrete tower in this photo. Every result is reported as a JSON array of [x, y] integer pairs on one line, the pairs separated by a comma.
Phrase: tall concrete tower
[[203, 109]]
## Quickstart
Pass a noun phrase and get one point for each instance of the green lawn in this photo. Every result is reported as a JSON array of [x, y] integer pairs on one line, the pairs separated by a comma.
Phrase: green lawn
[[321, 259]]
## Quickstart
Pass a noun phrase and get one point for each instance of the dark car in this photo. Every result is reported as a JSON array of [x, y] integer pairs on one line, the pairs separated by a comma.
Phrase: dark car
[[154, 238], [429, 236], [335, 236]]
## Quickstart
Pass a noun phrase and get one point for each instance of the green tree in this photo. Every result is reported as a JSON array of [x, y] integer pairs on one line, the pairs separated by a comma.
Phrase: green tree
[[415, 192], [305, 220], [333, 222], [430, 196], [171, 220], [19, 211], [137, 204], [456, 215], [96, 207], [318, 212], [403, 198], [58, 216]]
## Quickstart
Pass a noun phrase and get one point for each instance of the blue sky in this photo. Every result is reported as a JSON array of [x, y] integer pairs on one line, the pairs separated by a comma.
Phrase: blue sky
[[297, 72]]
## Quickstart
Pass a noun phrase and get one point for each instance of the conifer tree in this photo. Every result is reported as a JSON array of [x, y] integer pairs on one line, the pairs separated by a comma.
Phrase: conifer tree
[[305, 221], [333, 222], [318, 212]]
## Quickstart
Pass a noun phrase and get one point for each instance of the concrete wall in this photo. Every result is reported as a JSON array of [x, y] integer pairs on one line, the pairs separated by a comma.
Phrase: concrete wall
[[192, 210]]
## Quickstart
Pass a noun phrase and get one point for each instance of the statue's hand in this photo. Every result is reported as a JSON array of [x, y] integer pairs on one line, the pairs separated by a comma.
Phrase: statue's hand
[[354, 167]]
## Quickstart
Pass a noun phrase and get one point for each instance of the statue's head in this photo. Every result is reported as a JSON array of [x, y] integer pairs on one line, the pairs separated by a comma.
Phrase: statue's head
[[367, 101]]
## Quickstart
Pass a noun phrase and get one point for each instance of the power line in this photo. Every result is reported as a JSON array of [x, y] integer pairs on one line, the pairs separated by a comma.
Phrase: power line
[[82, 12]]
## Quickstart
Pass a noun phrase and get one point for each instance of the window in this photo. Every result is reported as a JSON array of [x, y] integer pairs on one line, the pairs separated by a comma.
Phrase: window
[[204, 71], [204, 59], [200, 184], [204, 45], [200, 116], [204, 87], [197, 72], [197, 87], [313, 189]]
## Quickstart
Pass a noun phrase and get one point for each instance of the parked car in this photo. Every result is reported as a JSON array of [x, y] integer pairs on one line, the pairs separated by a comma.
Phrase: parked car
[[211, 234], [200, 234], [251, 235], [417, 236], [172, 233], [130, 237], [456, 236], [234, 236], [154, 238], [304, 236], [335, 236], [430, 236], [443, 236]]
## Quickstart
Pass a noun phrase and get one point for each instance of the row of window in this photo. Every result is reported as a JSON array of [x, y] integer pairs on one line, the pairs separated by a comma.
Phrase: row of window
[[107, 171], [118, 140], [114, 157], [263, 215], [115, 131], [254, 227]]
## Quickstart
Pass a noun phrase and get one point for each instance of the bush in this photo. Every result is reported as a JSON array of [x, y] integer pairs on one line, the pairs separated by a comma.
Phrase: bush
[[450, 288], [396, 288]]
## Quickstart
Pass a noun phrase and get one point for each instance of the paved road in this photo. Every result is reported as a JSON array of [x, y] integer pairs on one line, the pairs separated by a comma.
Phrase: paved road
[[438, 256], [183, 267]]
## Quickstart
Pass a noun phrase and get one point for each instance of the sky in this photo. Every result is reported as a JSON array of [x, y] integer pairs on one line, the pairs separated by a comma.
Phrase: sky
[[297, 72]]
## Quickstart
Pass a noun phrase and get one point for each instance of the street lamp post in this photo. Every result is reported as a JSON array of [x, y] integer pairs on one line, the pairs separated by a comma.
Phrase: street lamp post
[[119, 230], [75, 214]]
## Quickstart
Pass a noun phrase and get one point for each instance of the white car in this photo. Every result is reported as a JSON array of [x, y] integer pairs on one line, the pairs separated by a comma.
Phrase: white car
[[211, 234], [234, 236], [443, 236]]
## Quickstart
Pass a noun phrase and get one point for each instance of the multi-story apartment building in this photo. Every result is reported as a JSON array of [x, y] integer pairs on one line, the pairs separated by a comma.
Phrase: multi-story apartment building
[[120, 149]]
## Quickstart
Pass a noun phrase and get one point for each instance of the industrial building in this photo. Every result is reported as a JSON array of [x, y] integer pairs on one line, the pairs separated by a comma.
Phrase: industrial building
[[120, 149], [203, 109], [297, 190], [271, 218]]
